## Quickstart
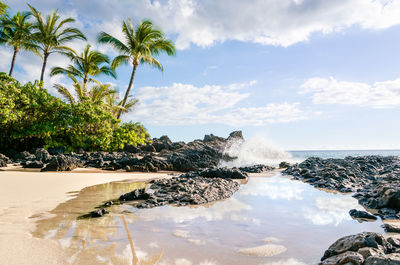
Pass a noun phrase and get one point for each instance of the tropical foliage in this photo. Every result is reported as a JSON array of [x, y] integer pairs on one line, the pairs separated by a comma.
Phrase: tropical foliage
[[30, 117], [86, 66], [16, 33], [52, 34], [3, 8], [89, 116], [140, 46]]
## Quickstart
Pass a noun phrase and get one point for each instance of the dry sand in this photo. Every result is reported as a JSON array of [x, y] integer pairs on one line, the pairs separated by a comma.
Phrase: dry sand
[[27, 196]]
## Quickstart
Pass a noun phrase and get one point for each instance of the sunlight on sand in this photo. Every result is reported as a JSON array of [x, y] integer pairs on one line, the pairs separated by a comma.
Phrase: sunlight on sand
[[268, 250]]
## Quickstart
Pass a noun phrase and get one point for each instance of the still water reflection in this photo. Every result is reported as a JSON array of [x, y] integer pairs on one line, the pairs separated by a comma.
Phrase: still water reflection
[[270, 220]]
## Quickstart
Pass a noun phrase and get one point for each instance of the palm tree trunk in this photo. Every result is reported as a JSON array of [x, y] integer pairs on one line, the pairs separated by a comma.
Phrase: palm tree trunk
[[85, 80], [13, 62], [128, 90], [46, 55]]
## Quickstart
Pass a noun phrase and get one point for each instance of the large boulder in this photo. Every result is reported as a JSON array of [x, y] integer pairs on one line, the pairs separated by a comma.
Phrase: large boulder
[[4, 160], [42, 155], [364, 248], [62, 163], [163, 143], [355, 242]]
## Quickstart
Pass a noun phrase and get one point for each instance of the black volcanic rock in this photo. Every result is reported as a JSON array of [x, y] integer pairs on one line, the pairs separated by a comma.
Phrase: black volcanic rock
[[33, 164], [374, 180], [192, 188], [256, 168], [225, 173], [4, 160], [363, 215], [62, 163], [364, 248]]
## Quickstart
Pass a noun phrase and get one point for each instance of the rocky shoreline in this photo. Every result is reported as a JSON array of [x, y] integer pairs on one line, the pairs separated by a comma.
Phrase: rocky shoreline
[[373, 180], [161, 154]]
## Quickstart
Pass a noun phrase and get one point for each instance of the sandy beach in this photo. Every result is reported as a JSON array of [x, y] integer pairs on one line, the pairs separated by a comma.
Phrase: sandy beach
[[26, 197]]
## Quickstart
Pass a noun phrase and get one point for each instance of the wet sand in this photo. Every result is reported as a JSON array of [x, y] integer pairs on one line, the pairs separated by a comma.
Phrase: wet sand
[[26, 197]]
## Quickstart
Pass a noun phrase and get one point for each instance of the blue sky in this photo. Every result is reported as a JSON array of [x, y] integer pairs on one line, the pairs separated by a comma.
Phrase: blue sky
[[305, 74]]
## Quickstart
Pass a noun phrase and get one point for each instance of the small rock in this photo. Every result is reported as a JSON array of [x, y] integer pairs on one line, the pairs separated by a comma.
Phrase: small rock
[[392, 227], [98, 213], [363, 215], [284, 164]]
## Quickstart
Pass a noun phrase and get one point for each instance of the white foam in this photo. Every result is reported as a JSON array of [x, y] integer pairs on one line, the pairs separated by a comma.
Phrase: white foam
[[256, 150]]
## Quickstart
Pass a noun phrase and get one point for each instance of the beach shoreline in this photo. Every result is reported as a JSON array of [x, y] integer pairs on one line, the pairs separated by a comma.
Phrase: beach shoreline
[[26, 197]]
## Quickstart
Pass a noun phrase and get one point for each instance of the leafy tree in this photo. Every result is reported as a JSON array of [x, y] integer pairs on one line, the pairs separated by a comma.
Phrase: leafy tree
[[16, 33], [52, 34], [90, 127], [87, 65], [140, 46], [31, 117]]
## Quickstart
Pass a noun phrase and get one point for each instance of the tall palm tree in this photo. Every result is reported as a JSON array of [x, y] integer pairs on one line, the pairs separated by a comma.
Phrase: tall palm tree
[[140, 46], [52, 34], [86, 66], [16, 33]]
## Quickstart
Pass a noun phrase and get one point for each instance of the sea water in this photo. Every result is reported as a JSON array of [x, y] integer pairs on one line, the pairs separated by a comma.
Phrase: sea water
[[270, 220]]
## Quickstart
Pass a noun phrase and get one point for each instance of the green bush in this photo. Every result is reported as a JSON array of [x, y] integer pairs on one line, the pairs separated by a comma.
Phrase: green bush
[[129, 133], [31, 117]]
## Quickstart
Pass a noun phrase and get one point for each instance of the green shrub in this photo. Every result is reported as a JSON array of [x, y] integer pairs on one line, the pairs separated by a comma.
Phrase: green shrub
[[129, 133], [31, 117]]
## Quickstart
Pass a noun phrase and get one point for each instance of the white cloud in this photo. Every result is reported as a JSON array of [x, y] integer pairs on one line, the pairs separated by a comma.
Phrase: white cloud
[[330, 210], [185, 104], [205, 22], [331, 91]]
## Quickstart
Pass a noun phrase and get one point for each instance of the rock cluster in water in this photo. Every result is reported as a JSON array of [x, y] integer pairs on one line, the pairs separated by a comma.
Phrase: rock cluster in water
[[193, 188], [365, 248], [256, 168], [161, 154], [374, 180]]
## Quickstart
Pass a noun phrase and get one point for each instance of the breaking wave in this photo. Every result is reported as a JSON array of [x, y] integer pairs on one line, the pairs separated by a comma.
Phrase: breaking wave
[[256, 150]]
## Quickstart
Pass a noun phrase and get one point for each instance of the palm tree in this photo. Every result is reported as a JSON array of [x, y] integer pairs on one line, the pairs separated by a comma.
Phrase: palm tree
[[52, 34], [115, 104], [139, 46], [96, 94], [3, 8], [86, 65], [16, 32]]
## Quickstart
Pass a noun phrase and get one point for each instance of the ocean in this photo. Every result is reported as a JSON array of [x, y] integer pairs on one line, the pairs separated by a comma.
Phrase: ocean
[[302, 155], [259, 151]]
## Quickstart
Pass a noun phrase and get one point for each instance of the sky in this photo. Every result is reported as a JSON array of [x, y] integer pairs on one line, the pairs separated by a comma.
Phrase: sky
[[303, 74]]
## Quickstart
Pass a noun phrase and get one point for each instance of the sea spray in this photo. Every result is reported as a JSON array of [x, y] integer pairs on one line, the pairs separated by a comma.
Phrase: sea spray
[[256, 150]]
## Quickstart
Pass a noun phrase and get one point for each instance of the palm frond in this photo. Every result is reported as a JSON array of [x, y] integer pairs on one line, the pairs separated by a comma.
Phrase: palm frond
[[65, 93], [117, 44], [120, 59]]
